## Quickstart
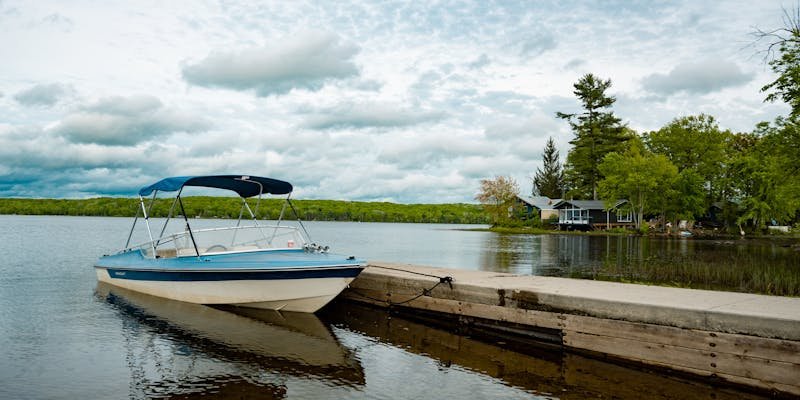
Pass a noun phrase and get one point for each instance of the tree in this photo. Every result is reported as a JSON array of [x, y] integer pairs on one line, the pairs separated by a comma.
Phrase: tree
[[645, 179], [549, 181], [768, 174], [784, 41], [694, 143], [497, 196], [597, 132], [686, 198]]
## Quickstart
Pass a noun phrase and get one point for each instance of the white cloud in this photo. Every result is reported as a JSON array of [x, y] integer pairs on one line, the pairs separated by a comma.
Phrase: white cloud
[[42, 94], [125, 121], [536, 44], [367, 115], [700, 78], [302, 61]]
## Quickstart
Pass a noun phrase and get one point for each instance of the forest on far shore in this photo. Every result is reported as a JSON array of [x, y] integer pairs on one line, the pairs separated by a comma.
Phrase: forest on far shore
[[229, 207]]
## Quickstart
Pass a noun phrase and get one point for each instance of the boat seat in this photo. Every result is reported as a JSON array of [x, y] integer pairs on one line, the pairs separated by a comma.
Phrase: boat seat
[[190, 251], [166, 253]]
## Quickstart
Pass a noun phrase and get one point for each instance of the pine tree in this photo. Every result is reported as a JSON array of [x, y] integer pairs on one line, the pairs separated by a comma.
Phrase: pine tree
[[597, 132], [549, 181]]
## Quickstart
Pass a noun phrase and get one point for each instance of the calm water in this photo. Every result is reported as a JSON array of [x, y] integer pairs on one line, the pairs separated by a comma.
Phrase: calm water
[[64, 336]]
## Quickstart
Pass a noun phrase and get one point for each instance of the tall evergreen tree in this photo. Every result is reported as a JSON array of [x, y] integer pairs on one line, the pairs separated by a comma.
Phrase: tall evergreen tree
[[597, 132], [549, 180]]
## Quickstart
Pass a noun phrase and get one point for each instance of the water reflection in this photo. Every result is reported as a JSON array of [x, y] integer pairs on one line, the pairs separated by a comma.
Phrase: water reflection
[[768, 267], [179, 349], [540, 372]]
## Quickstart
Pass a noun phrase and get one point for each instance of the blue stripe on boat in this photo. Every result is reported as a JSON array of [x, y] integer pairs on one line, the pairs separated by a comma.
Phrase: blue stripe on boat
[[186, 276]]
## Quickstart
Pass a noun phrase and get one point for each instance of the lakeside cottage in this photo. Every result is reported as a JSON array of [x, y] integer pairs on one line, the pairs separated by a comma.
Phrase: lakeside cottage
[[592, 214], [539, 205]]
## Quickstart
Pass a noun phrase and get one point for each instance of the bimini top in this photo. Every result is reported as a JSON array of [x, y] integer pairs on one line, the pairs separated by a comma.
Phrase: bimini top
[[244, 185]]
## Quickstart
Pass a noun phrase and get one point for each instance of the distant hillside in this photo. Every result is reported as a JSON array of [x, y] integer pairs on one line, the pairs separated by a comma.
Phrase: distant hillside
[[228, 207]]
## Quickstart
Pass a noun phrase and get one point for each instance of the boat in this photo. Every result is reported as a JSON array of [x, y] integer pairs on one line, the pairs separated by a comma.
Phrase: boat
[[249, 264]]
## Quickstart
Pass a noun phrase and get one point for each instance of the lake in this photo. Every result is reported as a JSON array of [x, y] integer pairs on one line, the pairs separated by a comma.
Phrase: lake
[[63, 336]]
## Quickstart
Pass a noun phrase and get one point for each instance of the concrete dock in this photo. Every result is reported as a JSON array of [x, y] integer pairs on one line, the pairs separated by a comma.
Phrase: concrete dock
[[745, 339]]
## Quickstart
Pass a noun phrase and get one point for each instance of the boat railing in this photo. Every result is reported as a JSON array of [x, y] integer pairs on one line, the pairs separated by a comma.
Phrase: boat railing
[[224, 240]]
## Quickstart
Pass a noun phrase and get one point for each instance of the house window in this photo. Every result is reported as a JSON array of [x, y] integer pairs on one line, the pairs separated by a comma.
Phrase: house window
[[573, 216], [623, 216]]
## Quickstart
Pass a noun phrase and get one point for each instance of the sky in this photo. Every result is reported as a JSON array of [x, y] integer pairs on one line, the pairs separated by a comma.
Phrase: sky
[[408, 102]]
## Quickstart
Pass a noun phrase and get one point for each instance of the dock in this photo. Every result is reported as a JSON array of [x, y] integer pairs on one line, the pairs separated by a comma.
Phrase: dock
[[741, 339]]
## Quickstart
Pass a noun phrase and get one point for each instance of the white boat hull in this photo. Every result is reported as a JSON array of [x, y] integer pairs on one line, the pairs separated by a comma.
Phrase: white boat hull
[[298, 295]]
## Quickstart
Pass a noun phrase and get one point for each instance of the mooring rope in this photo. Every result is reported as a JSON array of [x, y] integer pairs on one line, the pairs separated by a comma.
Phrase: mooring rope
[[425, 292], [410, 272]]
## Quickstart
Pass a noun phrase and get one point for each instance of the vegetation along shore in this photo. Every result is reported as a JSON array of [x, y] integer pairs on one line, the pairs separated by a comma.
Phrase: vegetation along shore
[[228, 207]]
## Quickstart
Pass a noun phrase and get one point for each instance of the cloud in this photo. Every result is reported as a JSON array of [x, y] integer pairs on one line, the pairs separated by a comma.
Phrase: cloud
[[537, 44], [538, 125], [430, 98], [702, 78], [574, 63], [304, 61], [42, 94], [34, 163], [480, 62], [125, 121], [58, 21], [415, 152], [375, 115]]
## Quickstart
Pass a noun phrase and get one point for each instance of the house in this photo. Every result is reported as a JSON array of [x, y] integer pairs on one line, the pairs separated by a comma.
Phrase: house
[[592, 214], [714, 217], [541, 205]]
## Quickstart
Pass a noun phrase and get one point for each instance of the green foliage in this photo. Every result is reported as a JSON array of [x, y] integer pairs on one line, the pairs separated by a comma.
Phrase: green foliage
[[688, 197], [229, 207], [787, 65], [597, 132], [768, 174], [646, 180], [549, 181], [694, 143]]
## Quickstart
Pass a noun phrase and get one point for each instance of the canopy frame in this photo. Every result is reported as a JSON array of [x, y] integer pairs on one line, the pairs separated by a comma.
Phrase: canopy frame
[[244, 185]]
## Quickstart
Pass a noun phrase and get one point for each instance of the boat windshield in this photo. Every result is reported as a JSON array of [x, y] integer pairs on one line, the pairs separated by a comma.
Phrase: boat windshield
[[225, 240], [239, 238]]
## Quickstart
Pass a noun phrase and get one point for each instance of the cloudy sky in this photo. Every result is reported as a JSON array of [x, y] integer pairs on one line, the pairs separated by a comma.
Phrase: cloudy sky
[[390, 101]]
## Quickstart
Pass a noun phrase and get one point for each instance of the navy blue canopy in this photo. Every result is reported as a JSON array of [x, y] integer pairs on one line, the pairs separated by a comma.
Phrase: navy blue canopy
[[244, 185]]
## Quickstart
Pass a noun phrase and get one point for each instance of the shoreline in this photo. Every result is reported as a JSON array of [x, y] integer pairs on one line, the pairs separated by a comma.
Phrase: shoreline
[[696, 234]]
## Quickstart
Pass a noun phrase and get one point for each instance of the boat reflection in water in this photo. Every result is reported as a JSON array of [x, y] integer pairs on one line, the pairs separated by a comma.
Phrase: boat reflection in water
[[177, 349]]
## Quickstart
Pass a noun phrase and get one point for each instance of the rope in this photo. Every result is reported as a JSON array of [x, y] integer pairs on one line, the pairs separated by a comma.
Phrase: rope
[[425, 292], [412, 272]]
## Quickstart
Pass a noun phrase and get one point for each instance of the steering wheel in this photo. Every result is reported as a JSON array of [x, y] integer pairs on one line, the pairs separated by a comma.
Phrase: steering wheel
[[217, 248]]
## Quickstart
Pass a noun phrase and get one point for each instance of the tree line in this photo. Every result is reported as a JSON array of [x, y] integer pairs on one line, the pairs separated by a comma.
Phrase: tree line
[[229, 207], [686, 167]]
